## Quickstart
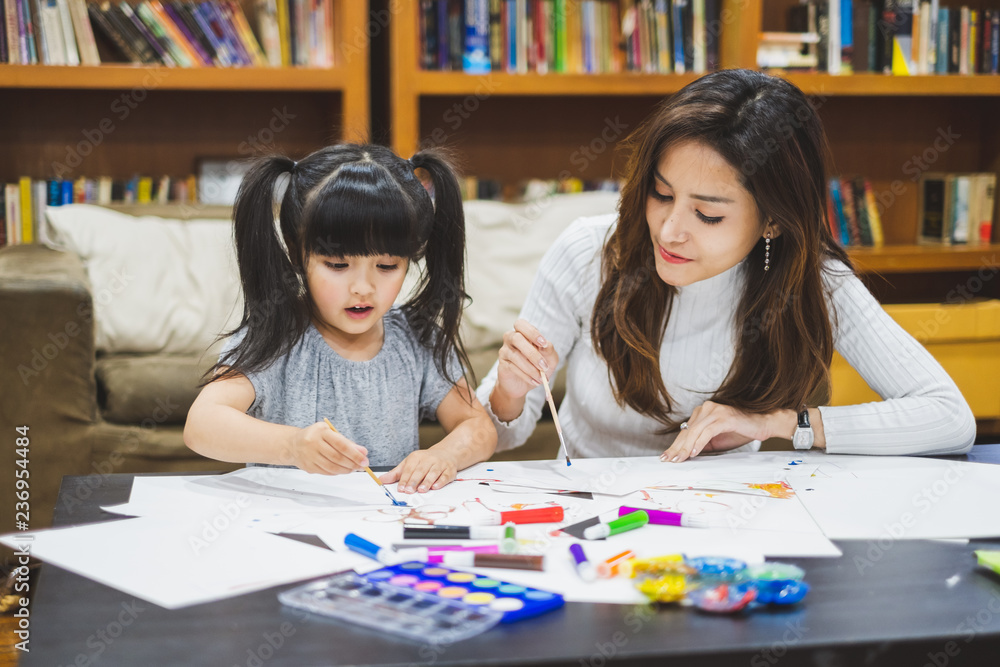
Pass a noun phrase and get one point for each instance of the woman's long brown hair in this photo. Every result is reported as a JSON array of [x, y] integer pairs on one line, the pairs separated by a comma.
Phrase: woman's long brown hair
[[768, 131]]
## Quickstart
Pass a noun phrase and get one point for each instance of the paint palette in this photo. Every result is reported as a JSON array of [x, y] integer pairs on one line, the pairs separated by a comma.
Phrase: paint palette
[[513, 601], [400, 610]]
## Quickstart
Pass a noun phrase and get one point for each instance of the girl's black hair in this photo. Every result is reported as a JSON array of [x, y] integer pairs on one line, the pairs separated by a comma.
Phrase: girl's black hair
[[346, 200]]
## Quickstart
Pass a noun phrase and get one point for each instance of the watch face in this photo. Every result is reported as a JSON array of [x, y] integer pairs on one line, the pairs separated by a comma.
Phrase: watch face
[[802, 438]]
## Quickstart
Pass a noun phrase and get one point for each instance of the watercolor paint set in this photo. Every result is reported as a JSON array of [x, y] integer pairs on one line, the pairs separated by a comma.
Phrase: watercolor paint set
[[421, 601], [386, 608], [513, 601]]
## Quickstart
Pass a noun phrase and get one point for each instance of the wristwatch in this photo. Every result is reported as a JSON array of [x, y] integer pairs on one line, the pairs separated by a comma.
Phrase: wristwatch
[[803, 437]]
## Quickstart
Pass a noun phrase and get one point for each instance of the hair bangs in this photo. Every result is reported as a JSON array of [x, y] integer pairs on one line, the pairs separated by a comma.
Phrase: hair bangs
[[360, 211]]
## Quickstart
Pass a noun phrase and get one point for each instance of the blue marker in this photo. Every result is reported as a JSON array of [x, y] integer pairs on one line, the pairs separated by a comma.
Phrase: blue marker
[[584, 567], [373, 551]]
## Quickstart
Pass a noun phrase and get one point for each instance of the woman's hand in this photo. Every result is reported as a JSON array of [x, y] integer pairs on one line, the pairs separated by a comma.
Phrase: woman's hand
[[422, 471], [319, 449], [716, 428], [525, 353]]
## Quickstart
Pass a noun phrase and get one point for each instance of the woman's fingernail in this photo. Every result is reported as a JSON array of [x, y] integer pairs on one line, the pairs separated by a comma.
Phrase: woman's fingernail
[[674, 460], [541, 341], [422, 489], [544, 364]]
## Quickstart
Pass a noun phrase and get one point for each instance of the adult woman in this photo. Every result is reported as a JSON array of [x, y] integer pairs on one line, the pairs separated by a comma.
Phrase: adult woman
[[705, 314]]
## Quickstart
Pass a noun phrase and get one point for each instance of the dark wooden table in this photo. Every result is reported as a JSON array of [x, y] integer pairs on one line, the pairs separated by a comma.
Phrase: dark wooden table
[[896, 609]]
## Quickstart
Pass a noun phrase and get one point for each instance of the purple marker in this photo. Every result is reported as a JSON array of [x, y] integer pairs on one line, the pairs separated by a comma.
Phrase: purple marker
[[584, 567], [665, 518]]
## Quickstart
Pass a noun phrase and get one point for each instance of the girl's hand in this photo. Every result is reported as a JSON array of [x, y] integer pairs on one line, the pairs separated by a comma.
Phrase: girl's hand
[[716, 428], [422, 471], [524, 354], [319, 449]]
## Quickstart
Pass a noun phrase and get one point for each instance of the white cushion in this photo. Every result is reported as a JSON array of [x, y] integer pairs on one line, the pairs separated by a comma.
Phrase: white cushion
[[159, 285]]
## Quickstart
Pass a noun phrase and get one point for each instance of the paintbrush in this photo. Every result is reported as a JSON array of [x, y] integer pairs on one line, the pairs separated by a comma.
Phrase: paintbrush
[[555, 416], [369, 471]]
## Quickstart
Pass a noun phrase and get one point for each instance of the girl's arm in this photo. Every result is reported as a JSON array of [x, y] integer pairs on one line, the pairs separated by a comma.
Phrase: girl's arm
[[218, 427], [471, 438]]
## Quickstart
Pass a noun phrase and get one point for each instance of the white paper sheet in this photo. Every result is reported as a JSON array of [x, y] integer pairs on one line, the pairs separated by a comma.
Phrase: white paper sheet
[[870, 499], [175, 565]]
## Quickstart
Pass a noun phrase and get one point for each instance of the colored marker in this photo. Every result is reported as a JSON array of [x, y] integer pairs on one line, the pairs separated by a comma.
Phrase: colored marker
[[436, 554], [610, 567], [513, 561], [439, 532], [550, 514], [630, 521], [508, 543], [664, 518], [584, 568], [373, 551]]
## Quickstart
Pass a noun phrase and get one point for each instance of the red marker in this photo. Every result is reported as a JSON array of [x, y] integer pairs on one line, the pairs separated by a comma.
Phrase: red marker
[[552, 514]]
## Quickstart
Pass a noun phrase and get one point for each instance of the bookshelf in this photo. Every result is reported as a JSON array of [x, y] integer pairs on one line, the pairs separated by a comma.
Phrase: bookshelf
[[511, 126], [163, 120]]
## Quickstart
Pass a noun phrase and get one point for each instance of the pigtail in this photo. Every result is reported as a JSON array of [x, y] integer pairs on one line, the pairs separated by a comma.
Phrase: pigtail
[[274, 316], [436, 311]]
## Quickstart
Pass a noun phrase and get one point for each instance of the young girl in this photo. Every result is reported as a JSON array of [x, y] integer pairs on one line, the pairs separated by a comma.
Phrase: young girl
[[320, 337], [704, 315]]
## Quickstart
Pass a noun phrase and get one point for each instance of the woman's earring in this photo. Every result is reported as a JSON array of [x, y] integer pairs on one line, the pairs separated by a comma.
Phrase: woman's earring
[[767, 251]]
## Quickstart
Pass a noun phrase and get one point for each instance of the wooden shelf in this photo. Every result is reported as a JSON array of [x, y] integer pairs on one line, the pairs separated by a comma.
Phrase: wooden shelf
[[917, 258], [882, 85], [127, 76], [501, 83], [634, 83]]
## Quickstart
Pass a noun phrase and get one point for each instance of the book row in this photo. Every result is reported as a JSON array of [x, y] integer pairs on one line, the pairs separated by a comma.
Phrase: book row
[[853, 213], [175, 33], [23, 204], [956, 209], [901, 37], [570, 36]]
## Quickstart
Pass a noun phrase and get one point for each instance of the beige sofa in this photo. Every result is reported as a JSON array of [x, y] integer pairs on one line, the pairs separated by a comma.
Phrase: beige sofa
[[104, 335]]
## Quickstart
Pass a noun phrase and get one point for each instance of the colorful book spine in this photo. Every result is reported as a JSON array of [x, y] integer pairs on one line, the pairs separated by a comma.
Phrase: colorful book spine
[[213, 32], [173, 16], [989, 186], [183, 10], [850, 213], [838, 209], [476, 57], [86, 43], [230, 37], [155, 43], [874, 216], [69, 36], [159, 31], [27, 221], [284, 32], [249, 42]]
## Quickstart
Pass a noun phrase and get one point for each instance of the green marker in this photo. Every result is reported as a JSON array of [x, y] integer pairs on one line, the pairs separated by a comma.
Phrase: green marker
[[630, 521], [508, 543]]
